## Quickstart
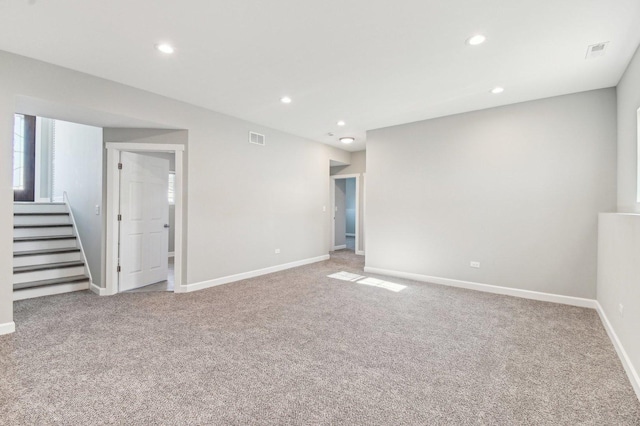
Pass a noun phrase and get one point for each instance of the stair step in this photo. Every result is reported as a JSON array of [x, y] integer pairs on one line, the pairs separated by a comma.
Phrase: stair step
[[43, 225], [50, 282], [45, 238], [60, 265], [32, 203], [47, 251]]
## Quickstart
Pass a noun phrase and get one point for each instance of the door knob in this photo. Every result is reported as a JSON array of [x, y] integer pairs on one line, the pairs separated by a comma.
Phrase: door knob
[[166, 225]]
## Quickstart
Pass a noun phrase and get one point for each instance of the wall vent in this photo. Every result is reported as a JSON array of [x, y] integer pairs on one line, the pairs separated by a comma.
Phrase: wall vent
[[596, 50], [256, 138]]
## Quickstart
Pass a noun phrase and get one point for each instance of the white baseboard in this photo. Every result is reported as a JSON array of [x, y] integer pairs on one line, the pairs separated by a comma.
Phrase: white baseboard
[[622, 354], [30, 293], [360, 252], [487, 288], [100, 291], [334, 248], [251, 274], [7, 328], [350, 235], [172, 254]]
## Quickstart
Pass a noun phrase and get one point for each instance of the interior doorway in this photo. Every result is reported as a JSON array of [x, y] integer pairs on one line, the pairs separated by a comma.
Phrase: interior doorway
[[345, 207], [144, 217]]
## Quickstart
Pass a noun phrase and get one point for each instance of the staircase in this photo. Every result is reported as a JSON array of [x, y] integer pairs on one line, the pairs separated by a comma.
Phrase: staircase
[[47, 254]]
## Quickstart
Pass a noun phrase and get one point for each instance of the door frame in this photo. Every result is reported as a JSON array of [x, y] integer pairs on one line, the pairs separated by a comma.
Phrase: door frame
[[333, 209], [112, 234]]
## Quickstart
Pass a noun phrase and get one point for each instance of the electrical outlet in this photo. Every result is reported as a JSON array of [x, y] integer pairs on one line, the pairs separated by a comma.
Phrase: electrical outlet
[[475, 264], [277, 251], [621, 309], [97, 209], [324, 208]]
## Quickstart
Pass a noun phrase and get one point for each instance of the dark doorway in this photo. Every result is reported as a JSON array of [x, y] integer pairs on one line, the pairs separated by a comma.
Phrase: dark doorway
[[24, 157]]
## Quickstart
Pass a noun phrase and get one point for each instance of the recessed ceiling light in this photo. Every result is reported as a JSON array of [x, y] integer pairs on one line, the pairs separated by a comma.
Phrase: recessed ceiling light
[[476, 40], [165, 48], [347, 139], [285, 100], [497, 90], [341, 123]]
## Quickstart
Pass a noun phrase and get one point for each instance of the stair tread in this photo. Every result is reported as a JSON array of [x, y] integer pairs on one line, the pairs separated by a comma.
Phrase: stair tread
[[46, 237], [46, 266], [52, 281], [46, 251], [42, 214], [44, 225], [31, 203]]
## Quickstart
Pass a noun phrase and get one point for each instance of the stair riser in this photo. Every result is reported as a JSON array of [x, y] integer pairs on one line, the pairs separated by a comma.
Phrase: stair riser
[[46, 258], [41, 220], [47, 274], [21, 246], [39, 208], [42, 232]]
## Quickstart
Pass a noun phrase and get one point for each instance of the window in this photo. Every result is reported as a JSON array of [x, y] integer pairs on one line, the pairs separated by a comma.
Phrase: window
[[172, 188], [24, 157]]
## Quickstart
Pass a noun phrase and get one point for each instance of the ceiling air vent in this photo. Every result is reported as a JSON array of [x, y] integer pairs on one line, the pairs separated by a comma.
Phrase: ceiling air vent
[[256, 138], [596, 50]]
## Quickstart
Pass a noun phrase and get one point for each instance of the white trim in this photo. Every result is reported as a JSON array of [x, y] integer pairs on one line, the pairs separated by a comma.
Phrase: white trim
[[113, 205], [30, 293], [7, 328], [100, 291], [487, 288], [332, 194], [65, 198], [343, 246], [172, 253], [251, 274], [360, 252], [632, 374]]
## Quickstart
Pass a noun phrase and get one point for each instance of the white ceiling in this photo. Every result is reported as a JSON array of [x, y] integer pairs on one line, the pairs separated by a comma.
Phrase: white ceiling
[[372, 63]]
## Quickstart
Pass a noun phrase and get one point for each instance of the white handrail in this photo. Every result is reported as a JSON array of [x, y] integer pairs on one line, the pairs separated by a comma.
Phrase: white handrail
[[65, 197]]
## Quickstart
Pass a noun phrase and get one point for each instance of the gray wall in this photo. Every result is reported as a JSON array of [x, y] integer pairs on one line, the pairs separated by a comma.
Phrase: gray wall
[[628, 91], [357, 165], [229, 229], [517, 188], [340, 212], [77, 170], [350, 205]]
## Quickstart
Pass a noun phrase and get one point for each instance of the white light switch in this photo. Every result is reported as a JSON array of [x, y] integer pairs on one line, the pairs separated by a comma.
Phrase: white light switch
[[324, 208]]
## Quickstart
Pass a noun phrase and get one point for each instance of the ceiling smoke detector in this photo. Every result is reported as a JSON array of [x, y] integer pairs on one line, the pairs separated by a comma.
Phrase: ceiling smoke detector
[[596, 50]]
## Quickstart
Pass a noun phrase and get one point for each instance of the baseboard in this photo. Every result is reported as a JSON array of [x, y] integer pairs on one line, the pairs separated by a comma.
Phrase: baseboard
[[251, 274], [360, 252], [100, 291], [487, 288], [350, 235], [334, 248], [172, 254], [7, 328], [30, 293], [622, 354]]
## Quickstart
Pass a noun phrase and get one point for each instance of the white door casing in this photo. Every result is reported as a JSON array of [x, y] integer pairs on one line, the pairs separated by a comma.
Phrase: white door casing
[[144, 210]]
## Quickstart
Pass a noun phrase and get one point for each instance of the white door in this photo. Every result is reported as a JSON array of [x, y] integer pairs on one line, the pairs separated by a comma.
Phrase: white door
[[144, 229]]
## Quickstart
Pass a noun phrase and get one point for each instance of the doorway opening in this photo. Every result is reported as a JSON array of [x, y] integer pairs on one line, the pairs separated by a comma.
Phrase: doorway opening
[[144, 217], [345, 207]]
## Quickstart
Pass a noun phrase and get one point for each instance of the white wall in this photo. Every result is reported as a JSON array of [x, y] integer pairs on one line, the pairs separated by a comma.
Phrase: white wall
[[628, 92], [517, 188], [278, 191], [77, 170], [357, 165]]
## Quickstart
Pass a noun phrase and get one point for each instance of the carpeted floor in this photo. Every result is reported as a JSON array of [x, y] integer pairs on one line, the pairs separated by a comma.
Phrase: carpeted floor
[[297, 347]]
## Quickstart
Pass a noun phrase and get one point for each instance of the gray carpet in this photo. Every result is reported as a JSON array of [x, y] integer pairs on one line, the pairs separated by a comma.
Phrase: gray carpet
[[297, 347]]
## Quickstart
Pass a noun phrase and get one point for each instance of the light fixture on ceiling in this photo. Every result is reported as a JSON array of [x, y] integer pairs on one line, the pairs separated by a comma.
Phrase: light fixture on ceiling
[[285, 100], [165, 48], [476, 40], [497, 90], [347, 140], [341, 123]]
